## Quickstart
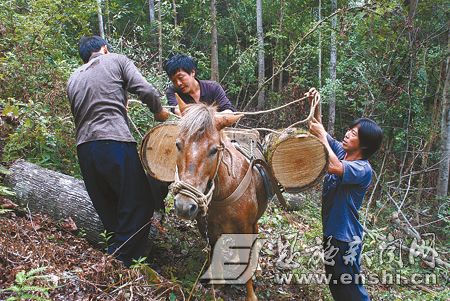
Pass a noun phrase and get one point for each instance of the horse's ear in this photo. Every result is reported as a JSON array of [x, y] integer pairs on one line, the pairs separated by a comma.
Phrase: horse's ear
[[181, 104], [226, 119]]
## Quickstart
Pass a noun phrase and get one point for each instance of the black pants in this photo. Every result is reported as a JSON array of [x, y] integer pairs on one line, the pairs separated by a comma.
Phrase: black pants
[[353, 291], [120, 193], [160, 190]]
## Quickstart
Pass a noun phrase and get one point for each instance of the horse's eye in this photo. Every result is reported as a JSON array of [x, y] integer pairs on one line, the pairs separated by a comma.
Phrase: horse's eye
[[178, 144], [213, 151]]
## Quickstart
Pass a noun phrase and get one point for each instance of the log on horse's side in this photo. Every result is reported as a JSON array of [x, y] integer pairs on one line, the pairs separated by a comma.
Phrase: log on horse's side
[[214, 179]]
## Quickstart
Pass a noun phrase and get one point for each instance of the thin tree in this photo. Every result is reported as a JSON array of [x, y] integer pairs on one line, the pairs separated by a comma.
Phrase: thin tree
[[261, 68], [332, 100], [214, 43], [174, 12], [100, 19], [320, 54], [108, 19], [442, 185], [279, 49], [151, 10], [160, 50]]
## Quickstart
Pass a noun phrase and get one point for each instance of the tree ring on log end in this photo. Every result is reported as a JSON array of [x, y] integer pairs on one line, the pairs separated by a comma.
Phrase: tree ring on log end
[[159, 153], [298, 161]]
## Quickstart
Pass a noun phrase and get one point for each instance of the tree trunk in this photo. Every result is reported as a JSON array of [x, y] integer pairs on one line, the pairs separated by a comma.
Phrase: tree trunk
[[160, 50], [320, 55], [108, 19], [101, 30], [261, 68], [280, 81], [442, 186], [214, 44], [174, 11], [151, 11], [429, 141], [55, 194], [332, 102], [278, 51]]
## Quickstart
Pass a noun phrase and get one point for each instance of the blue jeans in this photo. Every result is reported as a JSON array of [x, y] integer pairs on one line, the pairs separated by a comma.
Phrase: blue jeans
[[120, 193]]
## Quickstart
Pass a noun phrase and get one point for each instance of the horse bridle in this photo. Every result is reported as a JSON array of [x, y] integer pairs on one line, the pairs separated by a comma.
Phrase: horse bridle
[[203, 200]]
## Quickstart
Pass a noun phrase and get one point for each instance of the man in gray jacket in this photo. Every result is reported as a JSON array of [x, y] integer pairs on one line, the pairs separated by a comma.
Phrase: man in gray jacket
[[109, 162]]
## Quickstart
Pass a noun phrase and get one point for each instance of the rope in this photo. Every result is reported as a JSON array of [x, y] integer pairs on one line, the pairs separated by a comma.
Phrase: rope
[[270, 110], [186, 189], [135, 127], [256, 112], [314, 104]]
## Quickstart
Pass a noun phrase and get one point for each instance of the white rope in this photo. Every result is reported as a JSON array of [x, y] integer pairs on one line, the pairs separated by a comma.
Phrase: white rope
[[314, 104], [270, 110], [186, 189]]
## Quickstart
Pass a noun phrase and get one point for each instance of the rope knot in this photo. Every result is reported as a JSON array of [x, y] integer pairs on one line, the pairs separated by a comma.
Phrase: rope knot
[[183, 188]]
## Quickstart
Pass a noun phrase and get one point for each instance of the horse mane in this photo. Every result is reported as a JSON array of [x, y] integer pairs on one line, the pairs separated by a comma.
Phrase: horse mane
[[198, 120]]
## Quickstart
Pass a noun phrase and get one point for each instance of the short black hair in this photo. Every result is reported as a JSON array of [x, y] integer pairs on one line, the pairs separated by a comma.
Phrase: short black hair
[[180, 62], [89, 45], [370, 136]]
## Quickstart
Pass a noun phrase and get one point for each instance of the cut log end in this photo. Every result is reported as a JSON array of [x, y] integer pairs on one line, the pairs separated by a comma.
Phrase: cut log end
[[298, 161]]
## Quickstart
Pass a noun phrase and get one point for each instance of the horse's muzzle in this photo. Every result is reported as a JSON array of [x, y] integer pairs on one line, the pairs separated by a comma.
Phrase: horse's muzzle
[[185, 207]]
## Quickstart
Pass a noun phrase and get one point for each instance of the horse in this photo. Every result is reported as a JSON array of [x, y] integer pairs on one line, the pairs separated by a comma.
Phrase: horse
[[212, 171]]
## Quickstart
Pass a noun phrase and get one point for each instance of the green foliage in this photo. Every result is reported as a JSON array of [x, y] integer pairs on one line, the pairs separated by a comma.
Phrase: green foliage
[[24, 287], [105, 239], [5, 191], [44, 136], [388, 69], [138, 263]]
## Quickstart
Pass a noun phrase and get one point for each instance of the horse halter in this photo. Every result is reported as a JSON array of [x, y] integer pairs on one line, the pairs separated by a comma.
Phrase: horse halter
[[186, 189]]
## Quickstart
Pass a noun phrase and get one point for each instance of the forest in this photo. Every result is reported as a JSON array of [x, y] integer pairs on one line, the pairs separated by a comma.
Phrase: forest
[[384, 60]]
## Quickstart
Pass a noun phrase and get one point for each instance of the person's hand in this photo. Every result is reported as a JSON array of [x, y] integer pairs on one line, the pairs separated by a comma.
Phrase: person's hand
[[316, 128], [162, 115]]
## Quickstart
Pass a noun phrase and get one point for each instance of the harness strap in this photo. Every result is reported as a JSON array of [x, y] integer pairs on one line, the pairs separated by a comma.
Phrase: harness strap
[[273, 181], [239, 191]]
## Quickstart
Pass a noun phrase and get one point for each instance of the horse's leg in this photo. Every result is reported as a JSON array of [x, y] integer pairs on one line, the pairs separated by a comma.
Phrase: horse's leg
[[251, 296]]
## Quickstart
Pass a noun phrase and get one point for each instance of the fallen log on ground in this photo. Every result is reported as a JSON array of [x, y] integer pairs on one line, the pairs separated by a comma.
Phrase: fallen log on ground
[[58, 195]]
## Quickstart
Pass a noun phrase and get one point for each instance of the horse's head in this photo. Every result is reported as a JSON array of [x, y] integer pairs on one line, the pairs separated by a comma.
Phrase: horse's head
[[199, 146]]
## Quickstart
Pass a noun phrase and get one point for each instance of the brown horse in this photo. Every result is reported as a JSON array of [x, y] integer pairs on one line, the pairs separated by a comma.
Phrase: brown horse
[[210, 168]]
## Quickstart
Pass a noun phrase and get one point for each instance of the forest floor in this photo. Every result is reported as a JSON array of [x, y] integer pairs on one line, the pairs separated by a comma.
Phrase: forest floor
[[43, 258]]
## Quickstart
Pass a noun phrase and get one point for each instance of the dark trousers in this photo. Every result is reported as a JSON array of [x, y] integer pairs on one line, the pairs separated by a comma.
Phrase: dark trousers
[[353, 291], [160, 190], [120, 193]]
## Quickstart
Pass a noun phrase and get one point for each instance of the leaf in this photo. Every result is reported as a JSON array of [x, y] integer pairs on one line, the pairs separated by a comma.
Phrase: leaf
[[21, 277], [5, 191], [4, 170], [152, 275], [172, 297]]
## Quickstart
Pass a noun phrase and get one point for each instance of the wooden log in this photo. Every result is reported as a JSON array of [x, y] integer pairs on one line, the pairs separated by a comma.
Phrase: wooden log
[[58, 195], [297, 158], [159, 154], [158, 151]]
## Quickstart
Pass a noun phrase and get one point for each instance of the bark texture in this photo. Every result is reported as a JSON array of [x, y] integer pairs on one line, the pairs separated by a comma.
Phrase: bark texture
[[58, 195]]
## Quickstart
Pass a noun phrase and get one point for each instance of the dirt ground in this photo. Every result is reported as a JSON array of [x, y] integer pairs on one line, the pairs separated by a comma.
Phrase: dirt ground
[[74, 270]]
